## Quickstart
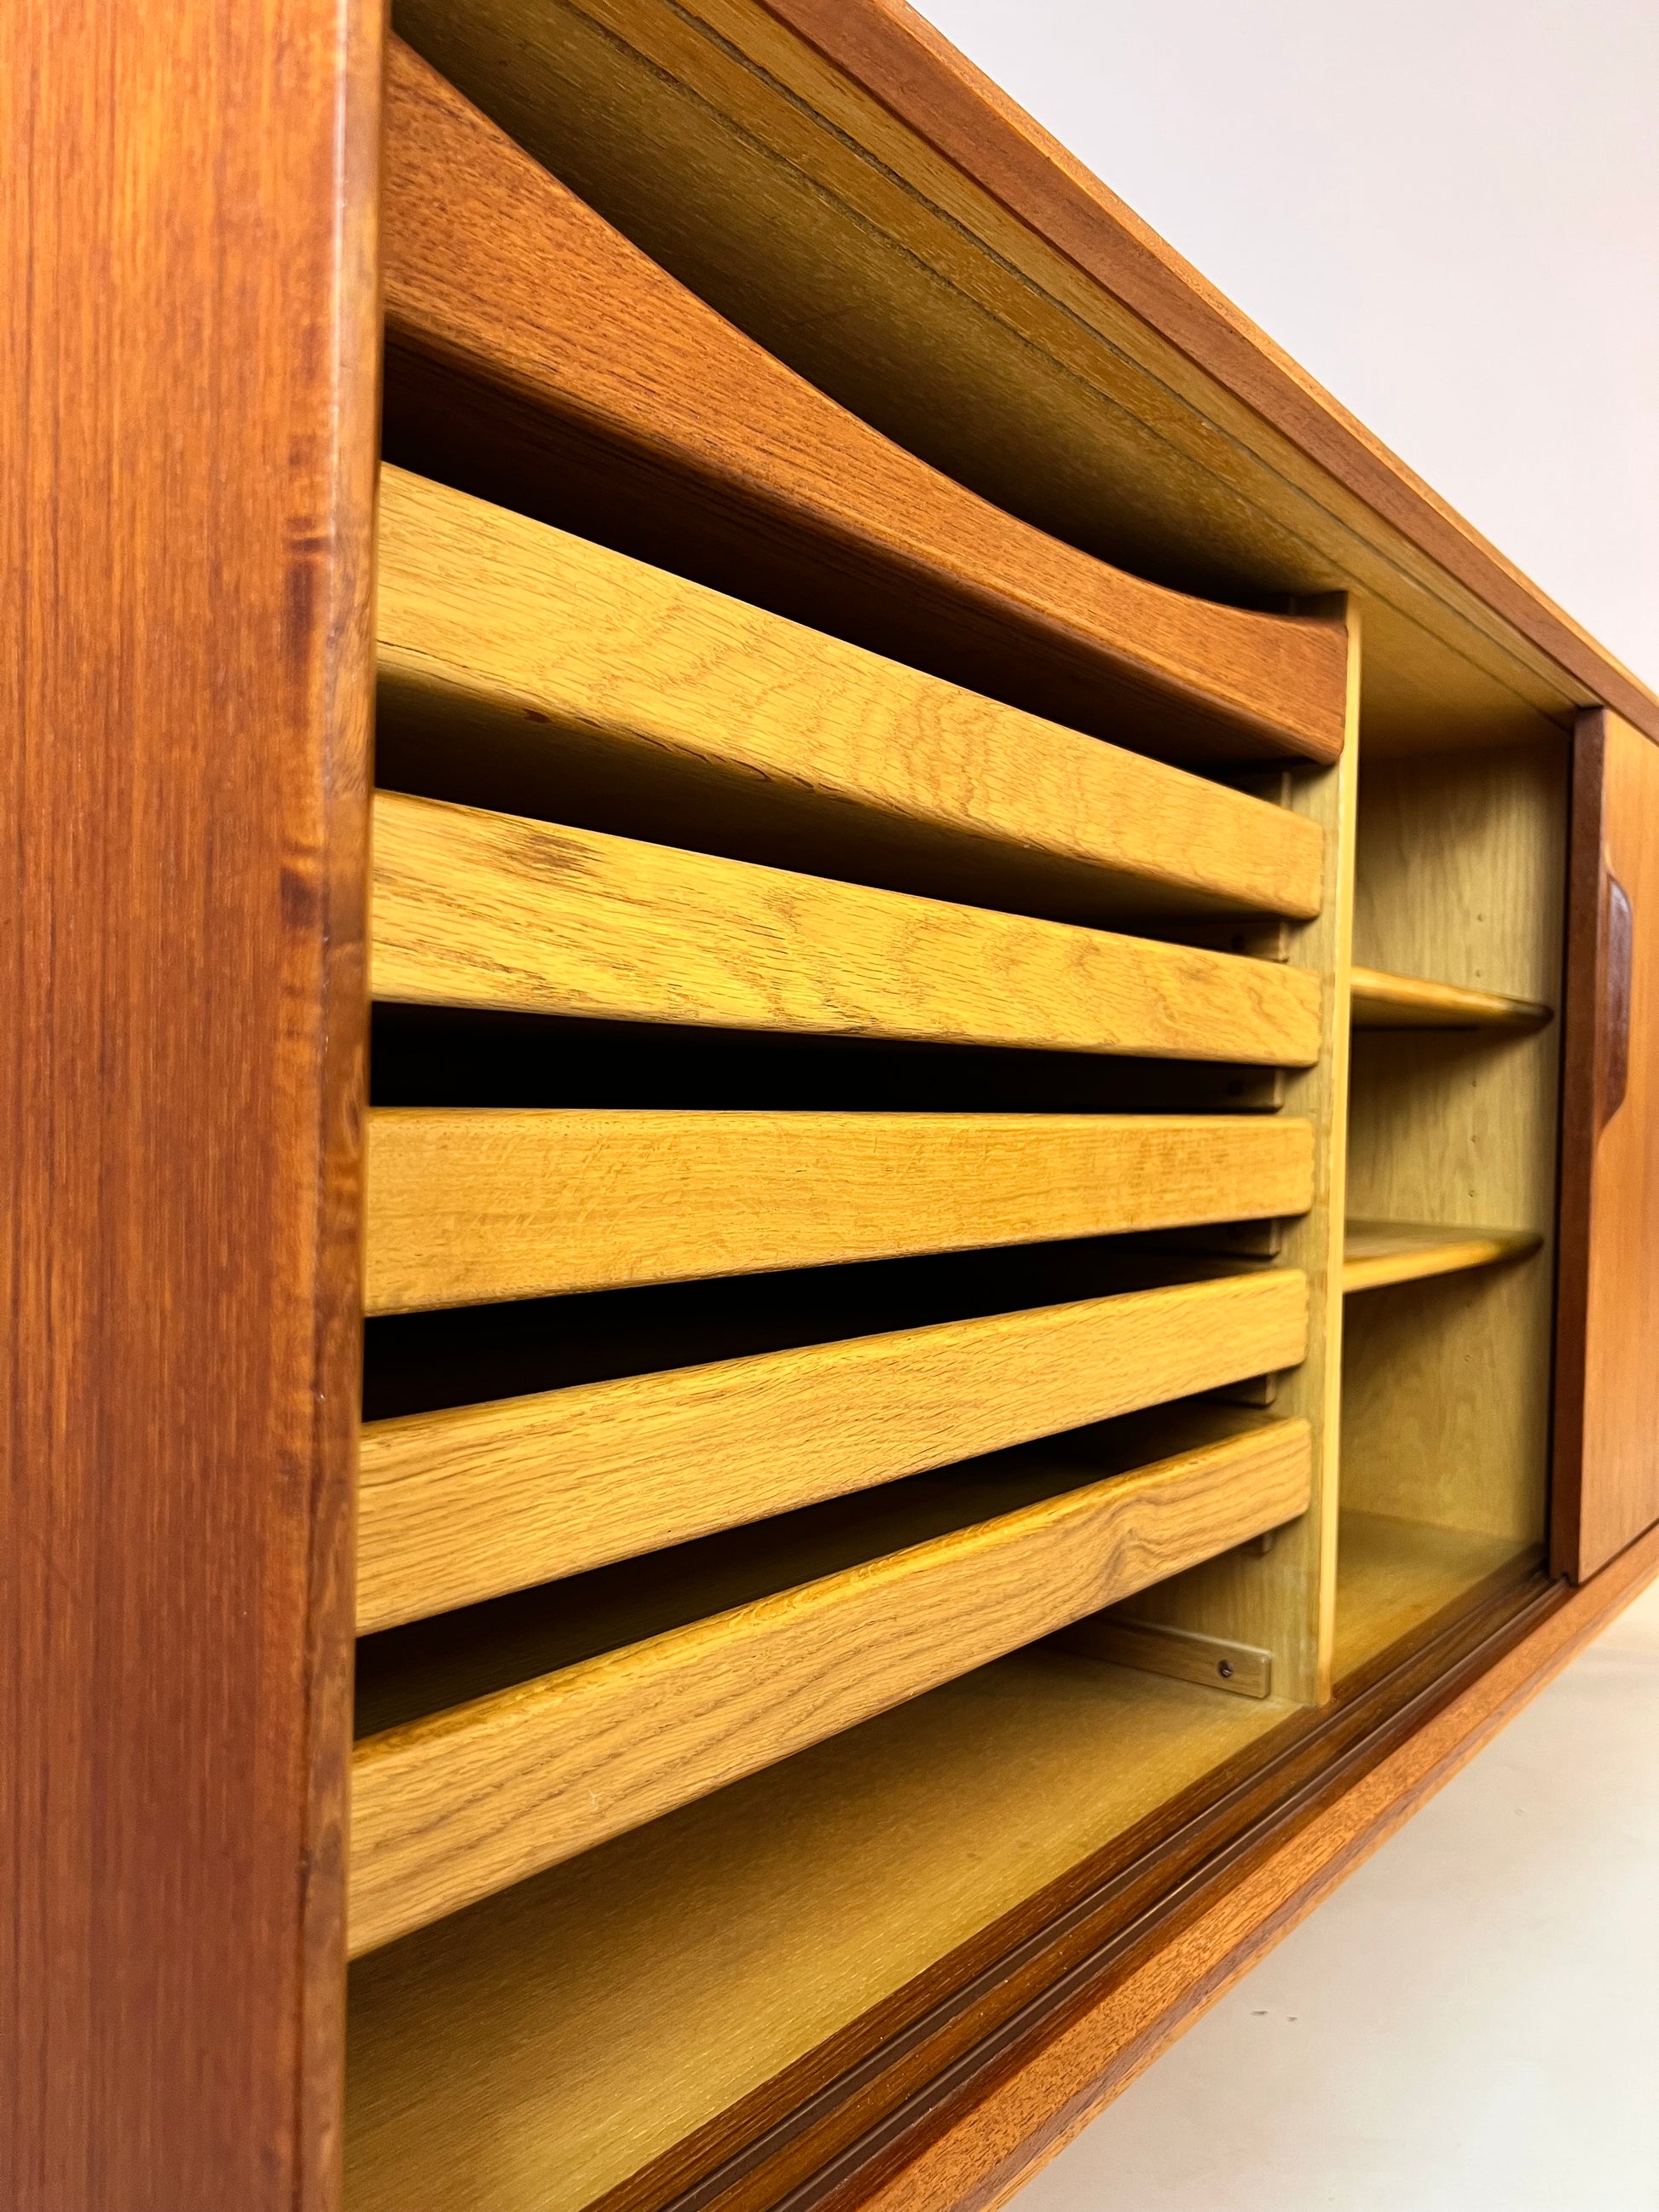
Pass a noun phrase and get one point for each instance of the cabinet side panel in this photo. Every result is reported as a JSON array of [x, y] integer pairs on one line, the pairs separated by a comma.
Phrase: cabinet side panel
[[191, 357]]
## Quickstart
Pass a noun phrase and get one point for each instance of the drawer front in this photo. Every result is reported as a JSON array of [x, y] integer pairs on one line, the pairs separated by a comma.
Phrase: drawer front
[[496, 1204]]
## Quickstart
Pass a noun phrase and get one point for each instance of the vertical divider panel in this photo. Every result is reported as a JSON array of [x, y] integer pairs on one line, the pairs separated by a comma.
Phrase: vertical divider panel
[[1282, 1600]]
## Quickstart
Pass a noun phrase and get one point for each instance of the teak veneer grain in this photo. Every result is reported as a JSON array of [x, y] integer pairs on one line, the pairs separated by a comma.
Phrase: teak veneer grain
[[464, 1207], [448, 1809], [619, 399], [523, 668], [892, 64], [191, 367], [490, 910], [460, 1505]]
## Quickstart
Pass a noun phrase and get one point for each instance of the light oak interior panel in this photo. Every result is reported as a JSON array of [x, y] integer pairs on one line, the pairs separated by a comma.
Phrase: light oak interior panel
[[1285, 1604], [1397, 1576], [524, 669], [632, 1708], [1447, 1382]]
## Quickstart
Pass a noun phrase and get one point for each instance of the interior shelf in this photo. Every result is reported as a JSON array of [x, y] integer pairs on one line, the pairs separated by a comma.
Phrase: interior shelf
[[1381, 1001], [1379, 1252]]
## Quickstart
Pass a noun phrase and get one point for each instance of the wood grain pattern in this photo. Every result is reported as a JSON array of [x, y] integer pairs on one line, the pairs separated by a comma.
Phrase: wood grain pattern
[[1606, 1436], [524, 668], [808, 500], [1462, 871], [1381, 1252], [447, 1809], [581, 2026], [466, 1207], [1408, 1002], [189, 391], [911, 70], [586, 2025], [458, 1506], [427, 1667], [479, 910], [719, 141]]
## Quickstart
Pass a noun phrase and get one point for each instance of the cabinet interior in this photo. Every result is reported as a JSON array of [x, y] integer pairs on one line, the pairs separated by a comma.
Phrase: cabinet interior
[[620, 2023], [1459, 876]]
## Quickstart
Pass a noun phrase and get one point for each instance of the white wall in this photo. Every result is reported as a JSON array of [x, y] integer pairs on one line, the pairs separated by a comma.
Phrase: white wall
[[1447, 211]]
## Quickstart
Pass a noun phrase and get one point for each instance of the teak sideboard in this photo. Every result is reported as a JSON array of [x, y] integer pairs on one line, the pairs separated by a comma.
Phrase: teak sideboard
[[834, 1121]]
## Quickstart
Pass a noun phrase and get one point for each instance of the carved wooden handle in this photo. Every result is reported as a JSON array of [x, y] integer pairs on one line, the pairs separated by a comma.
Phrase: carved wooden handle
[[1613, 1041]]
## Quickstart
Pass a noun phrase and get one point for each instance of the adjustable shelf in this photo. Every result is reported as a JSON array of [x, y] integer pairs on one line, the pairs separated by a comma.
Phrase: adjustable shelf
[[467, 1501], [487, 910], [1381, 1001], [1377, 1253]]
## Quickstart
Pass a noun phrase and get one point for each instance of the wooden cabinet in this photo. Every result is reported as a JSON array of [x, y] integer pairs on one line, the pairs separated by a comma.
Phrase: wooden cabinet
[[773, 1369]]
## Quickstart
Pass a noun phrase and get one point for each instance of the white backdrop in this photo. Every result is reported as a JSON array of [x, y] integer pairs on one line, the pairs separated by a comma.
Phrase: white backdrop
[[1447, 211]]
